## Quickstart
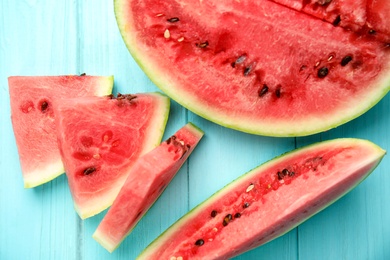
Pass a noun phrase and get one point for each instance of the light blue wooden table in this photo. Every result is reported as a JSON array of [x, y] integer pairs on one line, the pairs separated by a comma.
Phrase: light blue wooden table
[[42, 37]]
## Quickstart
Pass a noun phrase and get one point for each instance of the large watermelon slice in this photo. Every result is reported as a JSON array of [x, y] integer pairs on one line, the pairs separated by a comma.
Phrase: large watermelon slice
[[147, 179], [31, 99], [268, 201], [100, 138], [256, 66]]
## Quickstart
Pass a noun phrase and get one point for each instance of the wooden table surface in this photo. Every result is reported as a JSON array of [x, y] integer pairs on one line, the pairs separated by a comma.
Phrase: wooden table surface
[[42, 37]]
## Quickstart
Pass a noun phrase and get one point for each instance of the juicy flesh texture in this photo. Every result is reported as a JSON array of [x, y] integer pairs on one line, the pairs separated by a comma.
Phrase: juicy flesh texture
[[378, 12], [349, 14], [33, 119], [268, 201], [146, 181], [100, 139], [253, 65], [366, 17]]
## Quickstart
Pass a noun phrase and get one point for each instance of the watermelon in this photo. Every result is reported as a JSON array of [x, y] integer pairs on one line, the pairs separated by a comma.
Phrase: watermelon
[[268, 201], [147, 179], [31, 99], [256, 66], [100, 138]]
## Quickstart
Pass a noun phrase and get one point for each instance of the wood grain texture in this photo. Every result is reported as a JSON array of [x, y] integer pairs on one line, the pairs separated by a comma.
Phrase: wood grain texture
[[42, 37]]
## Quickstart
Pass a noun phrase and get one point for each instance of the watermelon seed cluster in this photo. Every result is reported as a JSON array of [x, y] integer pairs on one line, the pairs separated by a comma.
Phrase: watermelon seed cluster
[[179, 145]]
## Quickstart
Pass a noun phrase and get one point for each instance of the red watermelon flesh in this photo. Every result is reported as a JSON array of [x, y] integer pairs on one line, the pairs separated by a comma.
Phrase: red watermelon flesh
[[31, 99], [349, 14], [147, 179], [378, 13], [268, 201], [256, 66], [100, 138], [366, 17]]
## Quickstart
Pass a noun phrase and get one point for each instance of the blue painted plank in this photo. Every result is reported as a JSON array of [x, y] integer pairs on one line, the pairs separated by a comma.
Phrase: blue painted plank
[[35, 223]]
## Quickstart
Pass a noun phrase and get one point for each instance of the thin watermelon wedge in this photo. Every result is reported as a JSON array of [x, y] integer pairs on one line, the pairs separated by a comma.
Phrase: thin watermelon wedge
[[147, 179], [100, 138], [268, 201], [31, 99], [256, 66]]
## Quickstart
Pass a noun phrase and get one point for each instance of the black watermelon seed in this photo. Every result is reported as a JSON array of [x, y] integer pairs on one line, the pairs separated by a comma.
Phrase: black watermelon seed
[[246, 204], [89, 170], [237, 215], [291, 174], [247, 70], [285, 172], [337, 21], [173, 19], [322, 72], [347, 59], [83, 74], [263, 90], [277, 91], [199, 242], [227, 219], [44, 106], [372, 32], [214, 213]]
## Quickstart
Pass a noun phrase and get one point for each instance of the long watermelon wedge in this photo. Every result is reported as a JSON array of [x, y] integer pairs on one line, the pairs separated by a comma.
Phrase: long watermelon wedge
[[255, 65], [100, 138], [268, 201], [147, 179], [31, 99]]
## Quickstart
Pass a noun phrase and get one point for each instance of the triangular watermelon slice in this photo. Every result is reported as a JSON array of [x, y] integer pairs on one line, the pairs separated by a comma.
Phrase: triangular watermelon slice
[[100, 138], [147, 179], [31, 99]]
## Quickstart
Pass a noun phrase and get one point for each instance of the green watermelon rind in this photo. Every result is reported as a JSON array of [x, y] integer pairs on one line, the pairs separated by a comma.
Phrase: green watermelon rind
[[165, 236], [305, 127], [56, 169]]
